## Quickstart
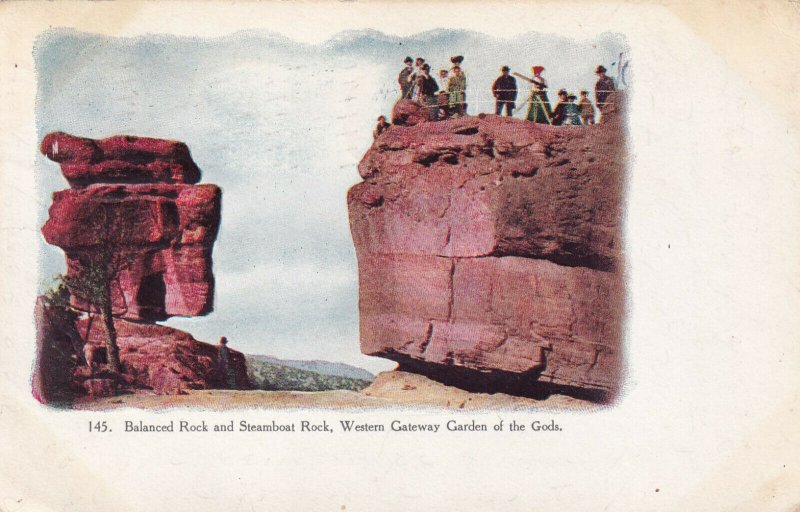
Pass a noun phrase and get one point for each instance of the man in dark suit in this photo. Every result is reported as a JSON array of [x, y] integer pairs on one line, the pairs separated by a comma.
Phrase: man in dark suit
[[603, 88], [504, 90]]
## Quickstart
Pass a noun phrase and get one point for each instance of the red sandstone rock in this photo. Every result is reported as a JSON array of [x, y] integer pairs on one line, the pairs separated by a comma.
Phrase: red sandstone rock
[[492, 186], [97, 388], [409, 113], [132, 204], [167, 360], [58, 352], [120, 159], [493, 244], [163, 232]]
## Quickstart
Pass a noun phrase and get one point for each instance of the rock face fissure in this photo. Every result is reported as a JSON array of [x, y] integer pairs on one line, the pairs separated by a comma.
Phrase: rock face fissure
[[133, 209], [493, 245]]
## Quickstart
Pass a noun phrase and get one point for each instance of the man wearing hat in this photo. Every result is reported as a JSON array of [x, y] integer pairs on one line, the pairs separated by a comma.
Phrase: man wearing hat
[[426, 88], [504, 90], [603, 88], [572, 111], [403, 79], [560, 111]]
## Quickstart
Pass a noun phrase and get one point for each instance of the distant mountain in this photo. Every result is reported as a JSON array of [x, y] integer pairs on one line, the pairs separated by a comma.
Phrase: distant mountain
[[270, 376], [323, 367]]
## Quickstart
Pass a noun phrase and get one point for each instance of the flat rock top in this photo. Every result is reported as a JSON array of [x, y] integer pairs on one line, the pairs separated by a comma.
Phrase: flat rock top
[[120, 159]]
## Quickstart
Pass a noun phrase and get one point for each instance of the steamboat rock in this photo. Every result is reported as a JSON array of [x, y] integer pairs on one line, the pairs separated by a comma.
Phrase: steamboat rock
[[491, 247]]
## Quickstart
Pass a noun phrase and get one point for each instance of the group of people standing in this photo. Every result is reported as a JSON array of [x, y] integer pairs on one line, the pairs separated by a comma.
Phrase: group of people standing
[[566, 110], [416, 83]]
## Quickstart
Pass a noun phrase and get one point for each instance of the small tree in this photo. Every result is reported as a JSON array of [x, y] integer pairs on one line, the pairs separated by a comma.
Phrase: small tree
[[92, 283]]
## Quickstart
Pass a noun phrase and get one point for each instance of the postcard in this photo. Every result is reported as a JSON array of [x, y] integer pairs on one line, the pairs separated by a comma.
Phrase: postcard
[[373, 256]]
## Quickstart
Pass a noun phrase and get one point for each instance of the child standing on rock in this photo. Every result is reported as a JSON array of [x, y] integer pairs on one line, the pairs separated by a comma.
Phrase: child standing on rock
[[586, 107]]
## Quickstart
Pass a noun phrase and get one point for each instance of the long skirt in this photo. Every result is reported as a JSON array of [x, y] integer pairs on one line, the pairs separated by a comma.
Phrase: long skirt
[[539, 109]]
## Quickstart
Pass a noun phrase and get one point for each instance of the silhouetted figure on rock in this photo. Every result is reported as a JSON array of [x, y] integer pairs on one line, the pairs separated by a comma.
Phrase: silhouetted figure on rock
[[225, 367]]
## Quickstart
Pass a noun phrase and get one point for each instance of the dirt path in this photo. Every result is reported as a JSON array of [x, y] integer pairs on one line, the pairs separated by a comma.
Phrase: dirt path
[[391, 390]]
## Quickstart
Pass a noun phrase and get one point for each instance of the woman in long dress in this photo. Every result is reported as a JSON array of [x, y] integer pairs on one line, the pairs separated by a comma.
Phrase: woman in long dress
[[539, 109]]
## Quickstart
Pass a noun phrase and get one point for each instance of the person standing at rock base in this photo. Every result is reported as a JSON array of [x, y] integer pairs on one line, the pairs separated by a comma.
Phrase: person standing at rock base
[[225, 369], [504, 90]]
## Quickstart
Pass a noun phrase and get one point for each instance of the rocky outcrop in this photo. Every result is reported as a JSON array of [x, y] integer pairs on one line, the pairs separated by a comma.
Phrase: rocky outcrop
[[154, 358], [409, 113], [58, 354], [162, 359], [134, 219], [489, 249], [132, 197]]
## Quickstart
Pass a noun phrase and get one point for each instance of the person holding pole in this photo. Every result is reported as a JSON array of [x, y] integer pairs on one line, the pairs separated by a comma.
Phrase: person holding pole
[[538, 104]]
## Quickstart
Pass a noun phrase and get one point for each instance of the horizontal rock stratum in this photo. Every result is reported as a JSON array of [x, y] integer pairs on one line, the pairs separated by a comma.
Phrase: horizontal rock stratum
[[491, 246], [134, 197]]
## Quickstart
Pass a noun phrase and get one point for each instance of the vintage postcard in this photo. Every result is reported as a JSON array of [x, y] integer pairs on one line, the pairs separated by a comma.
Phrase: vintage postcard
[[512, 256]]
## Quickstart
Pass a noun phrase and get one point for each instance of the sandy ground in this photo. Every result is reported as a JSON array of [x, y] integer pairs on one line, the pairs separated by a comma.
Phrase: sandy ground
[[390, 390]]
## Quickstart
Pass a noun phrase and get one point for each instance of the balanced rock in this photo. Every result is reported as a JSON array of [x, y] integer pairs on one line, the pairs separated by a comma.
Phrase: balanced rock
[[493, 245], [160, 235]]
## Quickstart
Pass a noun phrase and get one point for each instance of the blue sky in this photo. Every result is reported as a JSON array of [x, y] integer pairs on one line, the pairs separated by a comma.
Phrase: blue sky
[[280, 126]]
